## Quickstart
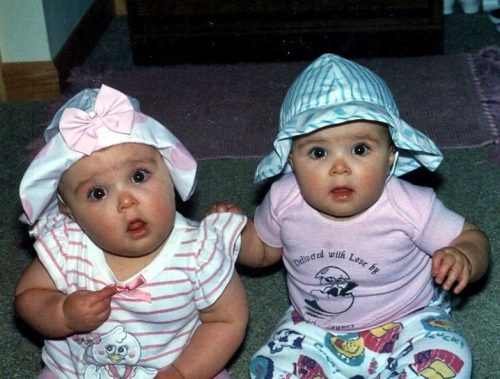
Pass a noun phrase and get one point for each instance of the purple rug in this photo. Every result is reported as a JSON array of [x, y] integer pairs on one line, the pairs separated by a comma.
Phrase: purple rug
[[232, 110]]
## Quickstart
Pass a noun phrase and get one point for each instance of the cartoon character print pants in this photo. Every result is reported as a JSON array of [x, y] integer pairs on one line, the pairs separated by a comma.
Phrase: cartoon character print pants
[[423, 344]]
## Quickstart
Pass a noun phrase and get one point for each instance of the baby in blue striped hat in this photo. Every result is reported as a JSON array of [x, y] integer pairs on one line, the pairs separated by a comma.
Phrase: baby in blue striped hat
[[369, 256]]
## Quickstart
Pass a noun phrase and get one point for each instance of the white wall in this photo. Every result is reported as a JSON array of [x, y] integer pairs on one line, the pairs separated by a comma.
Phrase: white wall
[[23, 33], [35, 30]]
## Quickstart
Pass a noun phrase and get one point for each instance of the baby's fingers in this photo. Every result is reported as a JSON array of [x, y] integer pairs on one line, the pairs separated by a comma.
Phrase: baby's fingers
[[462, 283], [86, 310], [224, 207], [102, 299], [439, 268], [105, 293], [217, 208], [452, 276], [449, 270]]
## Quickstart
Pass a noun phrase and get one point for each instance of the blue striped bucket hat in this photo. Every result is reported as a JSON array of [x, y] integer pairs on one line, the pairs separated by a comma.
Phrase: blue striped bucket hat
[[333, 90]]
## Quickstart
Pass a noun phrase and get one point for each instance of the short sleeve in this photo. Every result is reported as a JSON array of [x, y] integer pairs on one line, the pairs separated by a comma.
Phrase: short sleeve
[[55, 250], [433, 224], [282, 194], [442, 228], [219, 245], [267, 224]]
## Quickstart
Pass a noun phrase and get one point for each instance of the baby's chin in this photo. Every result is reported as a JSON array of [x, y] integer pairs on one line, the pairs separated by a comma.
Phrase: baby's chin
[[140, 251], [338, 217], [341, 215]]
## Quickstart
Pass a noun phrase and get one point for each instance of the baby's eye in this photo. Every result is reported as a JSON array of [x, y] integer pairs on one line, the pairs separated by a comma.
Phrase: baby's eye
[[360, 149], [97, 193], [317, 153], [140, 176]]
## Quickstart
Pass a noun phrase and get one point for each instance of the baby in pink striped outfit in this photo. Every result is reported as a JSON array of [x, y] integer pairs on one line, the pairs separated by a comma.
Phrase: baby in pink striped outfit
[[123, 285]]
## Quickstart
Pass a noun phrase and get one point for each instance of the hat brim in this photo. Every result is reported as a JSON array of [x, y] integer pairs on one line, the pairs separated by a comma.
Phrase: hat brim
[[416, 148], [39, 185]]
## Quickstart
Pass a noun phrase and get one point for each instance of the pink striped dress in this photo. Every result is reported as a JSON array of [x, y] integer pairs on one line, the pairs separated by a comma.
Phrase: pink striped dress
[[155, 312]]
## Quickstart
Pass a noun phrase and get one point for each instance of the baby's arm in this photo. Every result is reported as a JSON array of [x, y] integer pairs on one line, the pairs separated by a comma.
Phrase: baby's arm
[[254, 252], [216, 339], [464, 261], [55, 314]]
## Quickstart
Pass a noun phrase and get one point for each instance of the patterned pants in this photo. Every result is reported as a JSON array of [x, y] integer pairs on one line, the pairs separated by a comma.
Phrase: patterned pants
[[423, 344]]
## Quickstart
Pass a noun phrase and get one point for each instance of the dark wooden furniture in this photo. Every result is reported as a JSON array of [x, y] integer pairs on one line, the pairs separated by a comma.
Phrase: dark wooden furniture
[[193, 31]]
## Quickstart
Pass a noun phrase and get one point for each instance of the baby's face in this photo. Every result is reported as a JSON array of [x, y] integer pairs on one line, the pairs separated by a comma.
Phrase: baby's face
[[341, 170], [122, 197]]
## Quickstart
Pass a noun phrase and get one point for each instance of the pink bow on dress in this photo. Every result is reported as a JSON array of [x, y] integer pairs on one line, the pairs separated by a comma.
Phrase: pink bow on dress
[[112, 109], [131, 290]]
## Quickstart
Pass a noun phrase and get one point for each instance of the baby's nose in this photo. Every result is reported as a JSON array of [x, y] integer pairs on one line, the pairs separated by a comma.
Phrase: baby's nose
[[126, 201], [339, 167]]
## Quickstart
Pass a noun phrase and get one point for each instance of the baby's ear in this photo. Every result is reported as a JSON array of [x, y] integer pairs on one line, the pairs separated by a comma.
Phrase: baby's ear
[[393, 156], [63, 208], [393, 150]]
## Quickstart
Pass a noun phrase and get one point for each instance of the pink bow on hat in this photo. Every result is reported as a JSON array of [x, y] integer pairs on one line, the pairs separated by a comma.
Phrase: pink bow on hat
[[112, 109]]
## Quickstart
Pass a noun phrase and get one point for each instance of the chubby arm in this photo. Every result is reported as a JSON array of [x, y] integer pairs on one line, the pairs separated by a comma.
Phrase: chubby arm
[[216, 339], [465, 260], [54, 314], [254, 252]]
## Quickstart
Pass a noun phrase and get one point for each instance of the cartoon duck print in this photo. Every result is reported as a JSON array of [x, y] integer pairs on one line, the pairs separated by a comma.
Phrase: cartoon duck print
[[335, 297], [115, 355], [350, 348]]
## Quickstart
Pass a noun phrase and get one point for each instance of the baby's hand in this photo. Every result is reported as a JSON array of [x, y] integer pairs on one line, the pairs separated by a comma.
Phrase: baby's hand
[[223, 208], [450, 266], [87, 310]]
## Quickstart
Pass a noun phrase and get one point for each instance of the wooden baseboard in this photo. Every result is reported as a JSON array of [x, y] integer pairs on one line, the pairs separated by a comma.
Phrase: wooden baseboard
[[29, 81], [45, 80], [3, 94]]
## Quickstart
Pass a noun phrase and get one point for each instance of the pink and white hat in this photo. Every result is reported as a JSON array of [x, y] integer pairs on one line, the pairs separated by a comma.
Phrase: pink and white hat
[[92, 120]]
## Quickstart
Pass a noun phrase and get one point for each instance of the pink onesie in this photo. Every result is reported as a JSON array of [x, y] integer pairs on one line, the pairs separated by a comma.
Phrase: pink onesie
[[359, 273]]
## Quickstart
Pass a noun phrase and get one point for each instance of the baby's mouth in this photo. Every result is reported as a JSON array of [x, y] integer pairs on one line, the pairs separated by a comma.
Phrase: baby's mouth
[[342, 193], [137, 228]]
